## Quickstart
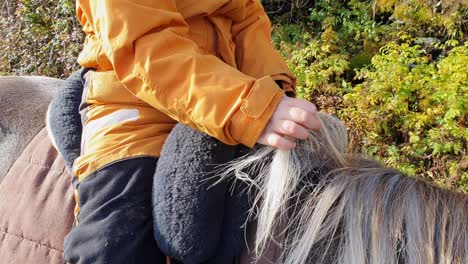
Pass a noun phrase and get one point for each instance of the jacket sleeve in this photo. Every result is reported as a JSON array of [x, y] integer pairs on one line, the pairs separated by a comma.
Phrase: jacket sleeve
[[255, 54], [146, 42]]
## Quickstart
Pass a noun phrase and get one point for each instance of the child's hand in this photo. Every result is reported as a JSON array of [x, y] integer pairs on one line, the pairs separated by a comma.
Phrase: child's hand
[[291, 120]]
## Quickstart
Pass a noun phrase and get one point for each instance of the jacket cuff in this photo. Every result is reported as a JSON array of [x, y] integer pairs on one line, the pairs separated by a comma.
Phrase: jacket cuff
[[287, 83], [250, 119]]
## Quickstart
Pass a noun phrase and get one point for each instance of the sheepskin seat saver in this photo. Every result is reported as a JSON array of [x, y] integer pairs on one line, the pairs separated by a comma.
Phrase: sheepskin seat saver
[[64, 121], [194, 221]]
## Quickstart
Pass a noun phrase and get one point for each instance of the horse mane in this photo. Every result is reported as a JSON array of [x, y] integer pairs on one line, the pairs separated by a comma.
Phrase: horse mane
[[342, 208]]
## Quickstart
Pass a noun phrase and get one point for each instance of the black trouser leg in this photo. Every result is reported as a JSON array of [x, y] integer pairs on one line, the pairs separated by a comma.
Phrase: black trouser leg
[[115, 224]]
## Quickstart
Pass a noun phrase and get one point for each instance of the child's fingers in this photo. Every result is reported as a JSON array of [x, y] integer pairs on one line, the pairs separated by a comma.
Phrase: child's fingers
[[300, 111], [301, 103], [291, 129], [305, 118], [291, 120], [277, 141]]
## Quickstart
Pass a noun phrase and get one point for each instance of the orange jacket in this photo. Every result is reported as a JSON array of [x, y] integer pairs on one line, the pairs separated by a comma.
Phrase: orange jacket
[[208, 64]]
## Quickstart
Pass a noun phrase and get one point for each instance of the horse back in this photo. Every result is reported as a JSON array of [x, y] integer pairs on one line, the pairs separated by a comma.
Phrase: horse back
[[24, 101]]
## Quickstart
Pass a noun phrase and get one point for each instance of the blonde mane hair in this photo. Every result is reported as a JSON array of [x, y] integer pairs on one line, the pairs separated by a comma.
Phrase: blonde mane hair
[[341, 208]]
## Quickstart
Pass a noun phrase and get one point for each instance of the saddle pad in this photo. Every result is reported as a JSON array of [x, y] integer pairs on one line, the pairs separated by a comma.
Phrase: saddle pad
[[36, 206]]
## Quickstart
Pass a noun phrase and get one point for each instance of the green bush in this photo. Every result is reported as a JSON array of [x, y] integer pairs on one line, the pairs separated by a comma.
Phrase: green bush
[[401, 90], [434, 18], [412, 113]]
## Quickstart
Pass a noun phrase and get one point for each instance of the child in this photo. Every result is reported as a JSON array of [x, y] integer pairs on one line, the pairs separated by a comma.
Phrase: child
[[150, 64]]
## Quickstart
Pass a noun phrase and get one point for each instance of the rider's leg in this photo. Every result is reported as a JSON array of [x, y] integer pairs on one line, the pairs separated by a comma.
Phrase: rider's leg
[[114, 222]]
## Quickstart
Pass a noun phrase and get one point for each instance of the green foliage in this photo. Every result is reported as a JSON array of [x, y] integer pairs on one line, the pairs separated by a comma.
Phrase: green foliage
[[397, 78], [40, 38], [412, 113], [351, 21], [319, 72], [442, 18]]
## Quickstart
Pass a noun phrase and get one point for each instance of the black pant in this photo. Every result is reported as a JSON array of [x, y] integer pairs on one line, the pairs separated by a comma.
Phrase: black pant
[[115, 223]]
